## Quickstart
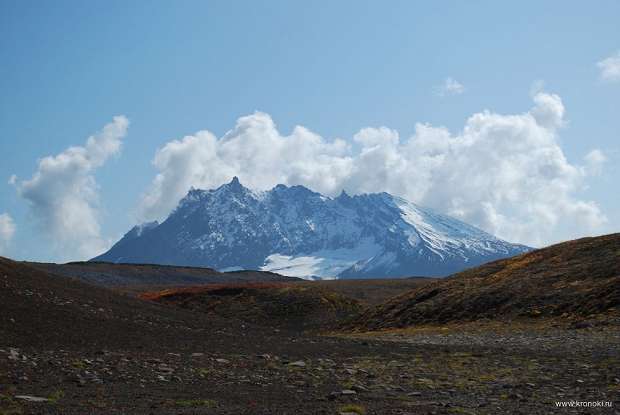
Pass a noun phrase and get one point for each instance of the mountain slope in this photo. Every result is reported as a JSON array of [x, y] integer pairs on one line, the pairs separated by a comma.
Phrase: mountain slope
[[38, 309], [296, 232], [575, 278]]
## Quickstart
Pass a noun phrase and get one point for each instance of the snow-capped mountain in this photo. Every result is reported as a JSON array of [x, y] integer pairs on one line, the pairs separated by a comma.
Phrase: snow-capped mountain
[[297, 232]]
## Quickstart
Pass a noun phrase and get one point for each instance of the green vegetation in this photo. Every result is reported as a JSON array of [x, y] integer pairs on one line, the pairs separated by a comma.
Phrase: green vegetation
[[203, 372], [356, 409], [55, 396], [78, 364]]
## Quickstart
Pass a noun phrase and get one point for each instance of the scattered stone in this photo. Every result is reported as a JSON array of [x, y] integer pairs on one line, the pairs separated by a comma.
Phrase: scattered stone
[[346, 392], [13, 354], [299, 363], [164, 368], [359, 388], [29, 398]]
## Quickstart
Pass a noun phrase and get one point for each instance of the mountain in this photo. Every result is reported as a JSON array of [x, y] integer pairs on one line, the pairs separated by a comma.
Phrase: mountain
[[297, 232], [572, 280]]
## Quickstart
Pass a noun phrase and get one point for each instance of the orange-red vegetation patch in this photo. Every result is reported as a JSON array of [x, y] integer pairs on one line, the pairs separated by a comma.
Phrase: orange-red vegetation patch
[[210, 288]]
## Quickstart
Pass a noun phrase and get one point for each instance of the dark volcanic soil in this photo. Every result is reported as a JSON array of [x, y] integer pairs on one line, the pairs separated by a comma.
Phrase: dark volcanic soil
[[110, 275], [87, 350]]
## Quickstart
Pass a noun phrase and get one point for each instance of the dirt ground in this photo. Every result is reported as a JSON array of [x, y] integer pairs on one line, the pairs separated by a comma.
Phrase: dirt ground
[[70, 348]]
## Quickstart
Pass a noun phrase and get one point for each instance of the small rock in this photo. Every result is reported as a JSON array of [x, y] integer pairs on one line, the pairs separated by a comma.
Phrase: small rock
[[13, 354], [165, 368], [359, 388], [346, 392], [223, 361], [29, 398], [299, 363], [333, 395]]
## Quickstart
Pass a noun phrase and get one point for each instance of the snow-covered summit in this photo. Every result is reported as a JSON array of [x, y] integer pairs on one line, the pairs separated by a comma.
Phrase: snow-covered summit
[[295, 231]]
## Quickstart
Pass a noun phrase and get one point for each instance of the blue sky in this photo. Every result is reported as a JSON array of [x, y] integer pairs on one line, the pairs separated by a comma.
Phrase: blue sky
[[176, 68]]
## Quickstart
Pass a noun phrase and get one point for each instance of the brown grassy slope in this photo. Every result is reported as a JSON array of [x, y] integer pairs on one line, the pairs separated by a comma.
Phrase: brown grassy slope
[[277, 304], [372, 291], [579, 278]]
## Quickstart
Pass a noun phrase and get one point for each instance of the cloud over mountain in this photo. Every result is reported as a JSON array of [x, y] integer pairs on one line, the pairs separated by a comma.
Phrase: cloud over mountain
[[7, 230], [63, 194], [504, 173]]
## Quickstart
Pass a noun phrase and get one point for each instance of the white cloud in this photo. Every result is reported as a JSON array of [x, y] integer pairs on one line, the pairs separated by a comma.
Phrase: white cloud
[[504, 173], [595, 160], [7, 230], [610, 67], [548, 111], [450, 86], [63, 193], [255, 151]]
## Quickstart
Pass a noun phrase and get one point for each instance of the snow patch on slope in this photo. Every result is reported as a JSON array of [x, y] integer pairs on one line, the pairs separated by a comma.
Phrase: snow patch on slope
[[325, 264]]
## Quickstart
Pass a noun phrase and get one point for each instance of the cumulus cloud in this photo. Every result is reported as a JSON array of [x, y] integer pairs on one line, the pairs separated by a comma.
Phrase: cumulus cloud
[[255, 151], [595, 160], [610, 67], [7, 230], [548, 111], [504, 173], [63, 194], [450, 86]]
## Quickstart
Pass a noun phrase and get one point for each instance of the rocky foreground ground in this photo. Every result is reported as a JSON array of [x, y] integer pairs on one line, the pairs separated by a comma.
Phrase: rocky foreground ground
[[67, 347], [476, 370]]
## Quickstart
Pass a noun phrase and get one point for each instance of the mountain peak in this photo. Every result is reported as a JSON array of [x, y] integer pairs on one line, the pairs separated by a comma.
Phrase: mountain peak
[[344, 195], [234, 185], [298, 232]]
